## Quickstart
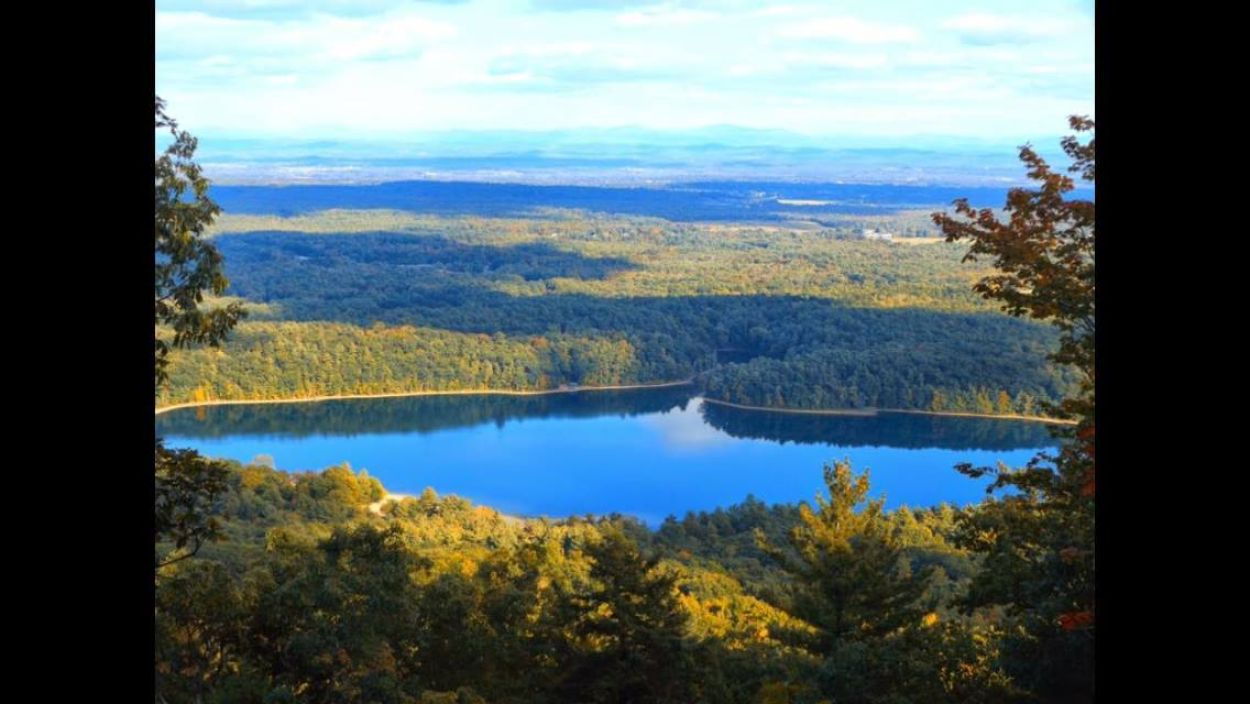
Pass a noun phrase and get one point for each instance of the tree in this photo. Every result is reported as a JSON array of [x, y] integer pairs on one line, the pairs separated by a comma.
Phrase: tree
[[339, 620], [855, 583], [187, 486], [631, 630], [1045, 256], [186, 266], [201, 621], [1038, 542], [846, 558], [1044, 253]]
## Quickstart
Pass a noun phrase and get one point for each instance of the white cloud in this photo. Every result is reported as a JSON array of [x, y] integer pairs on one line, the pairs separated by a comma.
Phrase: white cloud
[[289, 8], [319, 38], [346, 39], [877, 67], [551, 49], [850, 29], [573, 65], [829, 59], [665, 17], [984, 28], [685, 429], [776, 11]]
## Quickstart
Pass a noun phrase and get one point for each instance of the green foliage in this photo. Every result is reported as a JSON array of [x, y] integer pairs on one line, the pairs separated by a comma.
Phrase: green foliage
[[187, 486], [1038, 548], [942, 662], [319, 595], [855, 582], [325, 592], [187, 265], [200, 633], [857, 358], [847, 563], [1038, 541], [366, 302], [1043, 254], [629, 636], [339, 621]]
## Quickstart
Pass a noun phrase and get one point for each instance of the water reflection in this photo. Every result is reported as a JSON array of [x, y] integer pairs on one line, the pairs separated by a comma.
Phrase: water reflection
[[647, 453], [696, 424]]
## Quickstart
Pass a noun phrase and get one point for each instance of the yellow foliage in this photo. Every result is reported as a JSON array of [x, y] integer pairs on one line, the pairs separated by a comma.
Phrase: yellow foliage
[[252, 477], [930, 619]]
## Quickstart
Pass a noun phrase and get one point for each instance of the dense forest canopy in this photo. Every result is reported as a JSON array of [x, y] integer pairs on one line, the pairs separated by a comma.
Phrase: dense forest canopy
[[360, 302], [321, 593]]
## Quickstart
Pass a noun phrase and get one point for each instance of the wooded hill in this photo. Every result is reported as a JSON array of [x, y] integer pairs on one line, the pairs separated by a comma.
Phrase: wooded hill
[[361, 302]]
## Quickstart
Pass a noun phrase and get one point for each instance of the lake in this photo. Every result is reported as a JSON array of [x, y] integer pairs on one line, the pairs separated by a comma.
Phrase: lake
[[646, 453]]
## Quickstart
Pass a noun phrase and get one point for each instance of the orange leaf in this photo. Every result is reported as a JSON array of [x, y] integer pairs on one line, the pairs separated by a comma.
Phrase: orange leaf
[[1074, 620]]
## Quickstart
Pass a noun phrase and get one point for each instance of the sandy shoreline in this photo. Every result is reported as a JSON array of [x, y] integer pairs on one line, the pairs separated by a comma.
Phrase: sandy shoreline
[[860, 412], [376, 507]]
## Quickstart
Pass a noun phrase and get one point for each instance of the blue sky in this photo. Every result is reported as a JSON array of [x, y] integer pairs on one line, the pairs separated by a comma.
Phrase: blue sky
[[1001, 71]]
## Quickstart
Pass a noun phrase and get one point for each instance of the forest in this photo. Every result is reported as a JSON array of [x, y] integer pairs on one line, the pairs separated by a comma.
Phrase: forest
[[273, 586], [320, 587], [319, 593], [369, 302]]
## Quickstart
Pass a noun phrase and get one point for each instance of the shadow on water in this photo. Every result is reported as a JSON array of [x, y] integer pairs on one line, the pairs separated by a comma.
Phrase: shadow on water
[[901, 430], [411, 414], [429, 414]]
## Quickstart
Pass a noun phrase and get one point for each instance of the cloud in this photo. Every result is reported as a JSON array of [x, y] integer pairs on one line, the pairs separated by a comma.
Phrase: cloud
[[396, 37], [838, 60], [666, 17], [980, 28], [305, 43], [287, 9], [685, 429], [573, 65], [776, 10], [400, 65], [575, 5], [850, 29]]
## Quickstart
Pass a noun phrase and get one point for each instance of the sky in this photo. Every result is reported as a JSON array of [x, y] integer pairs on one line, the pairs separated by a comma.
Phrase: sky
[[1008, 71]]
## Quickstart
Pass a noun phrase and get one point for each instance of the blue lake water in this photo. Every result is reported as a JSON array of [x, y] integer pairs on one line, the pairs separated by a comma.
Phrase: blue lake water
[[647, 453]]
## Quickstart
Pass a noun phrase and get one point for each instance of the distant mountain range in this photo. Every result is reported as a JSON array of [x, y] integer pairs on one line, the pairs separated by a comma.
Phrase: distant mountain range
[[620, 156]]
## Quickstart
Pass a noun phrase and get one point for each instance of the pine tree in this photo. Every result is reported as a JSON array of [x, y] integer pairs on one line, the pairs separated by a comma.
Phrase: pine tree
[[845, 557], [630, 638]]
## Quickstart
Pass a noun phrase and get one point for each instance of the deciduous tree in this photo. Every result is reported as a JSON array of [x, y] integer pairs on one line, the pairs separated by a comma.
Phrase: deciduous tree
[[186, 267], [1038, 541], [1044, 253]]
